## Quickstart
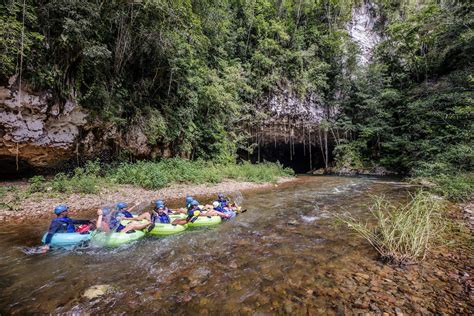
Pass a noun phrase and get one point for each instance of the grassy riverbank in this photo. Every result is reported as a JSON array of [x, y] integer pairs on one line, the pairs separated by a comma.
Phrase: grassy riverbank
[[141, 182], [156, 175]]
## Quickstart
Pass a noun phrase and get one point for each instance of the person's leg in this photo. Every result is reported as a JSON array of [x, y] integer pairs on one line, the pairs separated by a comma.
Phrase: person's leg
[[135, 226], [179, 222]]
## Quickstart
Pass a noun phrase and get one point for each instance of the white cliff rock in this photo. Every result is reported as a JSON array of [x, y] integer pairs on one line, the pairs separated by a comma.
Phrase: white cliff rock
[[362, 30]]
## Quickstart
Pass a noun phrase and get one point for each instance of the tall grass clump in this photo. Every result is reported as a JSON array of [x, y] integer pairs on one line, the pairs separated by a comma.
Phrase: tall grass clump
[[403, 234]]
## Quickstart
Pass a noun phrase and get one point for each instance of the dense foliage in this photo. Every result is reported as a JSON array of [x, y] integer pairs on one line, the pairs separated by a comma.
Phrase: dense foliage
[[190, 73], [411, 110]]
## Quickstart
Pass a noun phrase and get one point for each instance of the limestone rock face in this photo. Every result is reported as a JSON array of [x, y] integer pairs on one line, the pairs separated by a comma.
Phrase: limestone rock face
[[36, 129], [39, 132], [362, 30], [285, 103]]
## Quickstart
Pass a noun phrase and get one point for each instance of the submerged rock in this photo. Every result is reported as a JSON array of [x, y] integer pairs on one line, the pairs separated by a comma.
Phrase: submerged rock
[[97, 290]]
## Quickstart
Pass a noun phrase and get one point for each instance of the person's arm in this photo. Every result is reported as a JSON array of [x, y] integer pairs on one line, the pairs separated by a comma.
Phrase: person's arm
[[100, 221], [53, 228], [133, 207], [80, 221]]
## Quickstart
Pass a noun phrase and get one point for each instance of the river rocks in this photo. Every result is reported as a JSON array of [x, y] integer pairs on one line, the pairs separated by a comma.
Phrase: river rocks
[[96, 291], [199, 276], [348, 171]]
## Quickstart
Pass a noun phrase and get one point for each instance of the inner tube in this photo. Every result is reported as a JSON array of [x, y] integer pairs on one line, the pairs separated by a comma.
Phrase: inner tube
[[205, 221], [67, 240], [177, 216], [161, 229], [115, 239]]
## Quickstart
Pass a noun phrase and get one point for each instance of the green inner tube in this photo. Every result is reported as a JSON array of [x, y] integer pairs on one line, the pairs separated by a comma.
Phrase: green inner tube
[[177, 216], [104, 239], [205, 221], [167, 229]]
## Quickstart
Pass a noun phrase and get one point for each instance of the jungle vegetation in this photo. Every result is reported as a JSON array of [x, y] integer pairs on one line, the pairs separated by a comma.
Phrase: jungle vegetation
[[193, 73]]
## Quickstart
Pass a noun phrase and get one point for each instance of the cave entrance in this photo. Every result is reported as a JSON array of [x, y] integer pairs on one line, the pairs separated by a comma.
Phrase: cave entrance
[[8, 170], [298, 160]]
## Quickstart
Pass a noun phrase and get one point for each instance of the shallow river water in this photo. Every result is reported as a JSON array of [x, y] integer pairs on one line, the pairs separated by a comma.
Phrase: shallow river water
[[284, 256]]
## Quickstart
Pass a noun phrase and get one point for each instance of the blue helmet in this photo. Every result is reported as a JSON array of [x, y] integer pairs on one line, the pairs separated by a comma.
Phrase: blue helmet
[[106, 211], [121, 205], [60, 208], [160, 204], [220, 196], [195, 203], [189, 199]]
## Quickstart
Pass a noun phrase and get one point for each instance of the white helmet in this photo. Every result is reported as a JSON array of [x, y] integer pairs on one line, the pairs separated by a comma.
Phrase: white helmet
[[216, 204]]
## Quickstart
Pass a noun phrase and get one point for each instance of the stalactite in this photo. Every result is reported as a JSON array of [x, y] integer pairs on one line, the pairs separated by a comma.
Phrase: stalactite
[[258, 147], [310, 144], [275, 129], [304, 142], [326, 162], [321, 145], [290, 137], [294, 138]]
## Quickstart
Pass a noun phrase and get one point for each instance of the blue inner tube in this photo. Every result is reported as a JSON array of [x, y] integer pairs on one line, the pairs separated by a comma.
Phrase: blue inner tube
[[67, 240]]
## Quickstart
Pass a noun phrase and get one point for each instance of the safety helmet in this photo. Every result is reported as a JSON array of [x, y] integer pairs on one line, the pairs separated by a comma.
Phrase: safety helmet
[[189, 199], [106, 211], [220, 196], [160, 204], [216, 204], [60, 208], [195, 203], [121, 205]]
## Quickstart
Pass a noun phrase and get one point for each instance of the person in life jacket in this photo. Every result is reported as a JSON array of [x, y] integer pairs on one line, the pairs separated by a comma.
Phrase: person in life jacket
[[110, 220], [187, 207], [193, 211], [224, 203], [62, 224], [160, 214], [221, 210]]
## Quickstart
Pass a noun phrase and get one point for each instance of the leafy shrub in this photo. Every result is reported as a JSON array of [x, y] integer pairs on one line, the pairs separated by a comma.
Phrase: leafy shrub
[[37, 184], [59, 183], [348, 156], [83, 180], [456, 188], [403, 233]]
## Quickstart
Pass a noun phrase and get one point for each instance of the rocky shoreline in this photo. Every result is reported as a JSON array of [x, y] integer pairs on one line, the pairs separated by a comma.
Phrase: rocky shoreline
[[40, 205], [345, 171]]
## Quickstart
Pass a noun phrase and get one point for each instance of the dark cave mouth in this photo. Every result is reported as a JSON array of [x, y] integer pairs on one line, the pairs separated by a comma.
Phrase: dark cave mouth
[[10, 169], [300, 159]]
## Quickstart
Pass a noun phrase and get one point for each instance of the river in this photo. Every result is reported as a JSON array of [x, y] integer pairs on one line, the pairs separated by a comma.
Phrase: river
[[285, 255]]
